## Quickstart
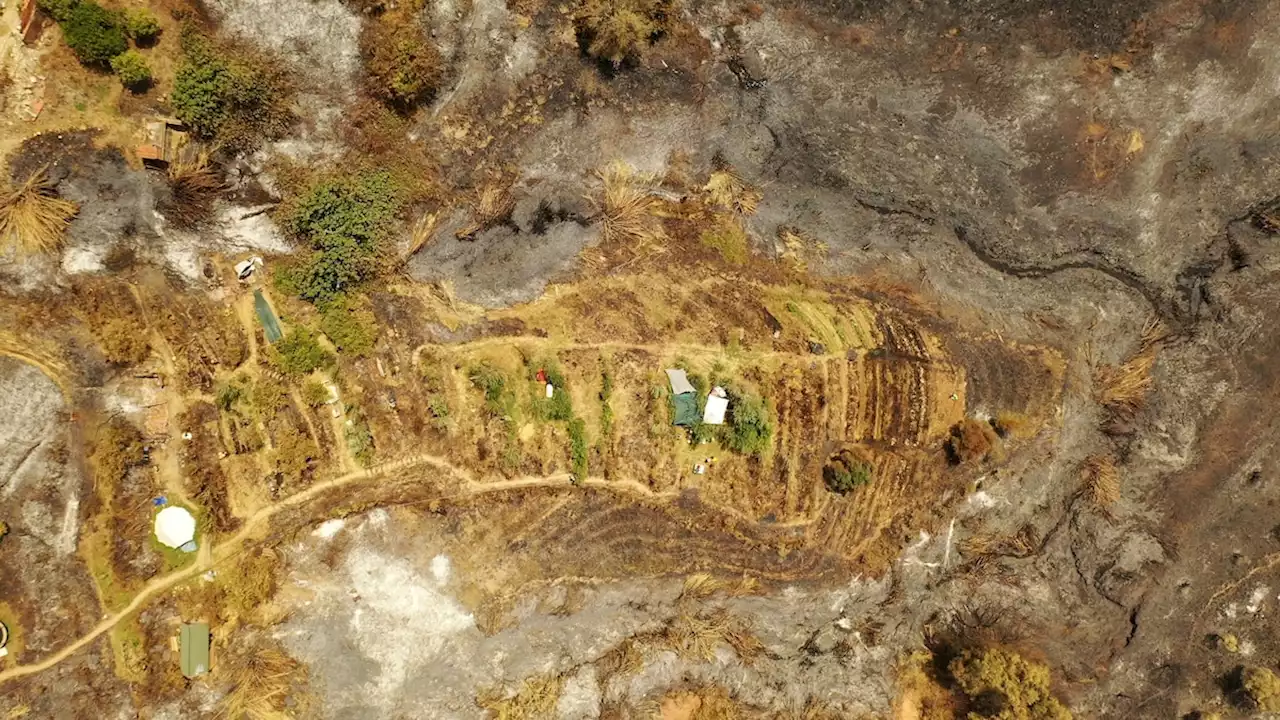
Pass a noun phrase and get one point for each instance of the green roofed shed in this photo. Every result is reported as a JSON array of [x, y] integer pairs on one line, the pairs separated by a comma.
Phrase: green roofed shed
[[686, 405], [194, 646]]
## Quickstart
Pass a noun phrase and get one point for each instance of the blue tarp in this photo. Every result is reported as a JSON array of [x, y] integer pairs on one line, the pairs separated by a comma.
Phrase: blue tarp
[[270, 324]]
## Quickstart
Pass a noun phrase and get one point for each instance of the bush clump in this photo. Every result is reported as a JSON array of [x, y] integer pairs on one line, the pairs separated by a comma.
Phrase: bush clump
[[132, 69], [749, 431], [123, 342], [230, 95], [619, 30], [299, 353], [403, 67], [142, 26], [1004, 685], [845, 472], [59, 10], [345, 221], [352, 328], [314, 393], [94, 34], [558, 407], [1263, 688], [493, 384], [578, 449]]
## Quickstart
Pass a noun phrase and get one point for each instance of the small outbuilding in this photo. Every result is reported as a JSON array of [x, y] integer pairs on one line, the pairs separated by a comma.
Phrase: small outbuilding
[[193, 649]]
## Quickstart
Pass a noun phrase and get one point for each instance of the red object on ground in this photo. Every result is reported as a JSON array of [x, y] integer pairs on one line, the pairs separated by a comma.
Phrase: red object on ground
[[542, 375]]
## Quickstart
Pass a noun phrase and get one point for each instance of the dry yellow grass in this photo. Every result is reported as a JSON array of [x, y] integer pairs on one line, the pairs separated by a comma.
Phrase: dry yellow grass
[[628, 205], [1100, 481], [726, 189], [423, 229], [535, 700], [696, 635], [32, 218], [1123, 389], [261, 679]]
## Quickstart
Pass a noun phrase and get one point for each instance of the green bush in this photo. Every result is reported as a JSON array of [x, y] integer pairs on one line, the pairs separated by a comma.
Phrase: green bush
[[234, 97], [1263, 687], [345, 221], [749, 430], [300, 353], [359, 438], [1019, 688], [578, 448], [142, 25], [351, 328], [59, 10], [402, 65], [844, 472], [493, 384], [314, 393], [94, 34], [558, 407], [230, 393], [132, 69], [606, 409]]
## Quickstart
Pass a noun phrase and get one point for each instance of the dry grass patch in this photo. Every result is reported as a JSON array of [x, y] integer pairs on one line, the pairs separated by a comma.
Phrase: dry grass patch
[[262, 679], [1101, 481], [193, 185], [628, 206], [1123, 389], [33, 219], [249, 583], [536, 699], [730, 192], [696, 635]]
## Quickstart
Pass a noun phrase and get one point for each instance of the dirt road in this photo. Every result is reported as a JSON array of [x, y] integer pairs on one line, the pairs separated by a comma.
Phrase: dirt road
[[241, 540]]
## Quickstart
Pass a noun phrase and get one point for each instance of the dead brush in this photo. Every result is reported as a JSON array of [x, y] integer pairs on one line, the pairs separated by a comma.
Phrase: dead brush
[[628, 206], [1100, 481], [193, 185], [1123, 389], [493, 207], [33, 219], [261, 680], [536, 699], [696, 635], [726, 189]]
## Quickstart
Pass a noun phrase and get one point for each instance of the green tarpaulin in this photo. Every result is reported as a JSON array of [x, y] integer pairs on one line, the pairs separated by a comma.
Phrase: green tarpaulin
[[270, 325], [686, 409], [194, 644]]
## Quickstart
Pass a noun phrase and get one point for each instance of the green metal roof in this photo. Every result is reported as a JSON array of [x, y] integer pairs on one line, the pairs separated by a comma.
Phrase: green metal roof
[[194, 644]]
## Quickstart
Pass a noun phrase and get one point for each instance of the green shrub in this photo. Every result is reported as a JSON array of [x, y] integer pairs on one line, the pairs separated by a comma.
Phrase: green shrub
[[314, 393], [230, 393], [267, 396], [618, 30], [1263, 687], [402, 65], [132, 69], [578, 448], [94, 34], [1019, 688], [359, 437], [749, 430], [493, 384], [558, 407], [300, 353], [606, 409], [235, 97], [59, 10], [345, 221], [351, 328], [142, 25], [844, 472]]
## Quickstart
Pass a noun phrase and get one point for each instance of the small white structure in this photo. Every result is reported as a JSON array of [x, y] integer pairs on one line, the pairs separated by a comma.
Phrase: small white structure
[[551, 391], [717, 406], [175, 527], [245, 268]]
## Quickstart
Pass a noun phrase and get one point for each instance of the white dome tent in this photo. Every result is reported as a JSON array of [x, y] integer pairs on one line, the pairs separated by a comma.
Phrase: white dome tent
[[176, 528]]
